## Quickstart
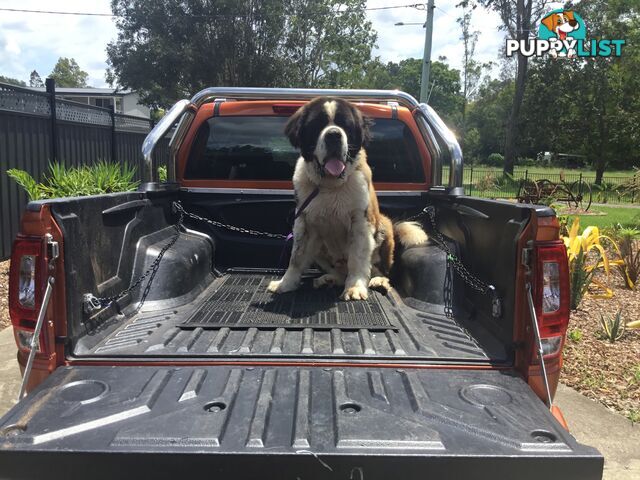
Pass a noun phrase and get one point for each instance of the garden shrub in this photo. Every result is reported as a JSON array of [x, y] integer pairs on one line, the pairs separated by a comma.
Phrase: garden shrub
[[61, 181]]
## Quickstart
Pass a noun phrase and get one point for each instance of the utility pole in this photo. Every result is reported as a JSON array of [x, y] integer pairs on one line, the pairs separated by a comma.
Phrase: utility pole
[[426, 55]]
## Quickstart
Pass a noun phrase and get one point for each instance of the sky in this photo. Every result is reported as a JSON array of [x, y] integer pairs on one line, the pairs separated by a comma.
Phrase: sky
[[36, 41]]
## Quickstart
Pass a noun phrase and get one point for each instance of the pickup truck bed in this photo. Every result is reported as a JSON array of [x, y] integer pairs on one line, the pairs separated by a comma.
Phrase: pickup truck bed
[[235, 316]]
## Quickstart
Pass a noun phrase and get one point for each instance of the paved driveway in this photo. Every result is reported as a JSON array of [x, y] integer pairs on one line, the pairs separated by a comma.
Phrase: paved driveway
[[589, 421]]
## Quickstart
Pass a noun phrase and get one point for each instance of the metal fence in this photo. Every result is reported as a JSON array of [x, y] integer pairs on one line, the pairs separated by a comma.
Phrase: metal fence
[[490, 183], [37, 128]]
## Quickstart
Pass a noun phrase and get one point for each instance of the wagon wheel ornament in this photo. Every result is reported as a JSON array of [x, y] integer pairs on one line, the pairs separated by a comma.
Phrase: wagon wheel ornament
[[528, 192], [581, 195]]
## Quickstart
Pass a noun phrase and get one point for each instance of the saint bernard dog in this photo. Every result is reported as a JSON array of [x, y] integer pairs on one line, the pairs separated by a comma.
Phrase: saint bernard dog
[[339, 226]]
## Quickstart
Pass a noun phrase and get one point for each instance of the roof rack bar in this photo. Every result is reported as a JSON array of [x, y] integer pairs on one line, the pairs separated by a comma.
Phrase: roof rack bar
[[240, 93]]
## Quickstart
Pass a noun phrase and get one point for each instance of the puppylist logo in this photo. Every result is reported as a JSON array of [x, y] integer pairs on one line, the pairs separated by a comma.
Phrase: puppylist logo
[[563, 33]]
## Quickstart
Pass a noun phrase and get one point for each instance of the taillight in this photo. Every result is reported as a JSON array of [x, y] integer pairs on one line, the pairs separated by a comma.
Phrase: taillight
[[27, 283], [551, 297]]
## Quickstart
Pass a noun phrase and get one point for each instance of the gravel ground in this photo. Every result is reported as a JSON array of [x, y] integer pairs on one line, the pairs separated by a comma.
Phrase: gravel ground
[[604, 371], [4, 295]]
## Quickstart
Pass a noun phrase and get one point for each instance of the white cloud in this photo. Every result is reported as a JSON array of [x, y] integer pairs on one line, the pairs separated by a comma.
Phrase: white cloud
[[399, 42], [35, 41], [30, 41]]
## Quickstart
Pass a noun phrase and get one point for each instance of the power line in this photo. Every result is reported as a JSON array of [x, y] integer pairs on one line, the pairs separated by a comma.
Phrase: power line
[[417, 6]]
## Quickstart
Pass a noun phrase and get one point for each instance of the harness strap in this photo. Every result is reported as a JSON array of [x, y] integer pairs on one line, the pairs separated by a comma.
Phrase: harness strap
[[307, 201]]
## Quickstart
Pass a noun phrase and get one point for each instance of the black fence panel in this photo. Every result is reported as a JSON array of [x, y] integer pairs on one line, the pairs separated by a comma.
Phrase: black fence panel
[[83, 134]]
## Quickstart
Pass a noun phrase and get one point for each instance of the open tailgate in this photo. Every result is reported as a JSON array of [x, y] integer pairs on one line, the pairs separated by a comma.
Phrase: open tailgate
[[285, 422]]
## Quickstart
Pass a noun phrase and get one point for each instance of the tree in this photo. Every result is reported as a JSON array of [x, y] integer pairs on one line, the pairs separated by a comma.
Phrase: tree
[[488, 115], [170, 50], [12, 81], [444, 92], [518, 19], [35, 80], [471, 68], [67, 73]]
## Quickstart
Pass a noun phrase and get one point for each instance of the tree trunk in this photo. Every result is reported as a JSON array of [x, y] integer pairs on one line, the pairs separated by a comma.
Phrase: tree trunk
[[602, 147], [512, 124]]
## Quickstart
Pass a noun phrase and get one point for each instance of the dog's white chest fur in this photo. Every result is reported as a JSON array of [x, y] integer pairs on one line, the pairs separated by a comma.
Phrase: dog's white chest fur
[[330, 214]]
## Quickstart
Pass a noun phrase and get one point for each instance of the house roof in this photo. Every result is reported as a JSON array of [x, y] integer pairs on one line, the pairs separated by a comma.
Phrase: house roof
[[88, 91]]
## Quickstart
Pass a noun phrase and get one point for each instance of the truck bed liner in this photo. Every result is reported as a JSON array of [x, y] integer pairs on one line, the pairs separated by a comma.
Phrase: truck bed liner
[[418, 332], [284, 422]]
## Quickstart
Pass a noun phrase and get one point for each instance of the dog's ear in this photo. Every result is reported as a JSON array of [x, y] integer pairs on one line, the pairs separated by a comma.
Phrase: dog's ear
[[294, 126], [550, 22], [569, 14]]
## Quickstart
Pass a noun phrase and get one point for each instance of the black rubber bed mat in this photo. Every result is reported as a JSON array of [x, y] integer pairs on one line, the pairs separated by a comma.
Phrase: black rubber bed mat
[[243, 301]]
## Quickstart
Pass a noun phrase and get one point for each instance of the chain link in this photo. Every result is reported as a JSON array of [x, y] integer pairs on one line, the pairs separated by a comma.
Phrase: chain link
[[469, 278], [248, 231], [149, 272], [94, 303]]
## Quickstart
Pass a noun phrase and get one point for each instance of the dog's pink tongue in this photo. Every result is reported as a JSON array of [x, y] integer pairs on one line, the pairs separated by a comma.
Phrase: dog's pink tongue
[[335, 167]]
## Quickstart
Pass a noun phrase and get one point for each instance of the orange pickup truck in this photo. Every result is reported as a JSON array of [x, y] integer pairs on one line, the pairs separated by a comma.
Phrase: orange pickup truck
[[152, 349]]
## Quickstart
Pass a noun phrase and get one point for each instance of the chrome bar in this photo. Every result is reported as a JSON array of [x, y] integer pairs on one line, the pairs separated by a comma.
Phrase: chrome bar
[[433, 125], [149, 173], [239, 93], [35, 340], [455, 152], [536, 331]]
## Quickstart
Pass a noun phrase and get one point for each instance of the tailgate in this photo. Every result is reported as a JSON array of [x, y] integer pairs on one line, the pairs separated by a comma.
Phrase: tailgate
[[285, 422]]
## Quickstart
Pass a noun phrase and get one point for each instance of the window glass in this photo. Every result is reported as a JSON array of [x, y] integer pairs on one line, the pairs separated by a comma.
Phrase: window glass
[[255, 148]]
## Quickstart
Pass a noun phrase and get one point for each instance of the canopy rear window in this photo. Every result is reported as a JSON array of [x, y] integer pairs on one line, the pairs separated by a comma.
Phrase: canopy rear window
[[255, 148]]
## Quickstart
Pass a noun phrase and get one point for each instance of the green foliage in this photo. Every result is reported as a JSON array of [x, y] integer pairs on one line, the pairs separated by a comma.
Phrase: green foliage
[[290, 43], [12, 81], [35, 80], [612, 327], [162, 173], [634, 415], [631, 186], [575, 335], [61, 181], [27, 182], [495, 160], [580, 278], [67, 73], [487, 182], [445, 97], [635, 374], [628, 239]]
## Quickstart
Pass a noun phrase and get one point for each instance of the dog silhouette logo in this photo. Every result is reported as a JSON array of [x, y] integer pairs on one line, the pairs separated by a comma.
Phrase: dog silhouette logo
[[566, 26]]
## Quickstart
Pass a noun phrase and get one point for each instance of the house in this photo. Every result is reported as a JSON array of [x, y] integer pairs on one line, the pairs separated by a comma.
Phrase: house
[[125, 101]]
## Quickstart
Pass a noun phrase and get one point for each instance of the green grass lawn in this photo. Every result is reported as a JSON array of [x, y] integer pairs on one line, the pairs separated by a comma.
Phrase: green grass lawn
[[587, 174], [614, 215]]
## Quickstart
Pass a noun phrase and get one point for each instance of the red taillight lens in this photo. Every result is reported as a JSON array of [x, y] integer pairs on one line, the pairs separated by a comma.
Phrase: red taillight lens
[[26, 280], [551, 297]]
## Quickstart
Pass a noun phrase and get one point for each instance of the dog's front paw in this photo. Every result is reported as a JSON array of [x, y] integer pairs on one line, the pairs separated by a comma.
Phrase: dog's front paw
[[278, 286], [357, 292], [380, 283]]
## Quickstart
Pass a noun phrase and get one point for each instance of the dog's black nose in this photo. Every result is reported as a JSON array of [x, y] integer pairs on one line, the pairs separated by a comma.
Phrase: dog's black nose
[[333, 137], [573, 23]]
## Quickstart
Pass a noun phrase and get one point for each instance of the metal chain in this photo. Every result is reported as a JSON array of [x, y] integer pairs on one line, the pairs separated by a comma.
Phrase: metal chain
[[248, 231], [453, 260], [151, 271]]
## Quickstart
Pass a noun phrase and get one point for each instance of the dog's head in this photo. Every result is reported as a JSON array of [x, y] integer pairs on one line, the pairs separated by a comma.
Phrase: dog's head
[[561, 23], [329, 132]]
